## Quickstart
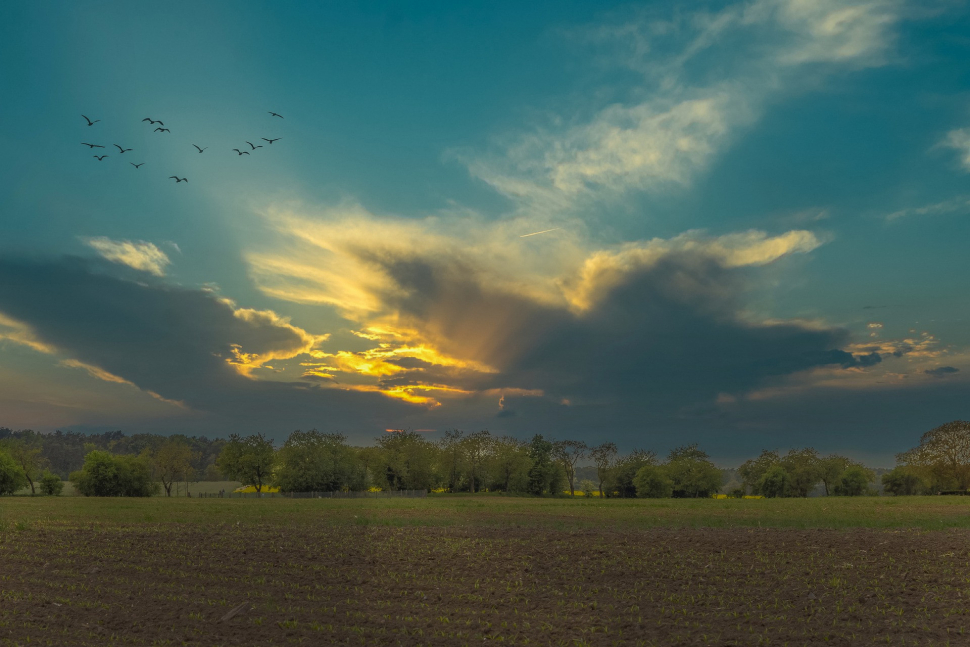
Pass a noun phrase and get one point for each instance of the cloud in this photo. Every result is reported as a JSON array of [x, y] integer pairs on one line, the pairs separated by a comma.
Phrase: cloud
[[942, 371], [660, 320], [179, 345], [679, 119], [959, 140], [960, 204], [139, 255]]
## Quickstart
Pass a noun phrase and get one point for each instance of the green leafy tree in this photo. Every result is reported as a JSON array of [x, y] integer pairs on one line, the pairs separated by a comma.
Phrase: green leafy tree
[[903, 481], [248, 460], [108, 475], [451, 454], [404, 460], [855, 481], [652, 482], [173, 462], [310, 461], [942, 456], [509, 464], [568, 453], [830, 471], [12, 476], [625, 470], [692, 472], [545, 476], [753, 470], [775, 482], [51, 484], [604, 457], [804, 469], [475, 450], [27, 451]]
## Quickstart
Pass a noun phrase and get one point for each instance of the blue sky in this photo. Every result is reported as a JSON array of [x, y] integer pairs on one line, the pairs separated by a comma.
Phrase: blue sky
[[758, 216]]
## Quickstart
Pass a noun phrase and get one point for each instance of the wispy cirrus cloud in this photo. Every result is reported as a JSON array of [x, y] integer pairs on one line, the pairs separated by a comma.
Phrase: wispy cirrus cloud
[[139, 255], [679, 120], [959, 140]]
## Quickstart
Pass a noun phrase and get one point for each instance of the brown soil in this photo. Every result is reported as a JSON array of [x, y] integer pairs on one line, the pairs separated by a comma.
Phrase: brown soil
[[175, 584]]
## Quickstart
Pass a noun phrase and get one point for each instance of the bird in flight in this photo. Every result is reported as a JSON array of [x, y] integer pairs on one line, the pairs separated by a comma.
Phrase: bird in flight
[[122, 150], [177, 179], [254, 147], [275, 114], [91, 145], [136, 165], [200, 149], [164, 130], [271, 140], [153, 121], [99, 158], [241, 152], [90, 123]]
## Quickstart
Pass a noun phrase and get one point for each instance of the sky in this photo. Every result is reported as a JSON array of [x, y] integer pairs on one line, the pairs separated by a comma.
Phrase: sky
[[754, 220]]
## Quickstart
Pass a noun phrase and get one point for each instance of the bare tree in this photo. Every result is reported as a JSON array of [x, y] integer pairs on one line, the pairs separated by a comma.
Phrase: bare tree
[[173, 462]]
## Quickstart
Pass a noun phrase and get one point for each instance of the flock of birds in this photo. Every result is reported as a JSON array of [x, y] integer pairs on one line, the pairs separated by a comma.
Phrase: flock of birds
[[162, 129]]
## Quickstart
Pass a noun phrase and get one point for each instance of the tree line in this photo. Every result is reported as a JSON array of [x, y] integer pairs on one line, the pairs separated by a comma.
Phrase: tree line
[[310, 461]]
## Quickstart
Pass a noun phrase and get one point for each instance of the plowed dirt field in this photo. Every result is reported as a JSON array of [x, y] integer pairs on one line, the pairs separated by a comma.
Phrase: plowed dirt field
[[176, 583]]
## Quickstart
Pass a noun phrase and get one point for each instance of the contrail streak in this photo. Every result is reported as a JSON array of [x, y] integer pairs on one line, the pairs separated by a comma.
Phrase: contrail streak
[[536, 233]]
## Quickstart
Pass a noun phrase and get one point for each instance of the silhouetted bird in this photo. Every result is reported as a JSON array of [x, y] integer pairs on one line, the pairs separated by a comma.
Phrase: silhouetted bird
[[254, 147], [90, 123], [241, 152], [153, 121], [200, 149], [177, 180], [123, 150], [271, 140], [136, 165], [164, 130], [92, 145], [99, 158], [275, 114]]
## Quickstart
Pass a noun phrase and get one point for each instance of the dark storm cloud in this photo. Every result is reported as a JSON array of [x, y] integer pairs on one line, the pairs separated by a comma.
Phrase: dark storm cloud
[[171, 341], [942, 371], [667, 334]]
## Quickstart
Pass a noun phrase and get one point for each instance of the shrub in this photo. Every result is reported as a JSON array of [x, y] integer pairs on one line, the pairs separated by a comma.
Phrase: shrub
[[107, 474], [12, 476], [51, 484], [652, 482]]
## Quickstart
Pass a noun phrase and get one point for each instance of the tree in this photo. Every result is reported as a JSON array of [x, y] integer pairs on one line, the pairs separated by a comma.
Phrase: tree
[[403, 460], [310, 461], [774, 482], [692, 472], [568, 453], [475, 448], [107, 474], [943, 456], [12, 476], [509, 464], [855, 481], [653, 482], [902, 481], [625, 470], [27, 452], [604, 457], [804, 471], [248, 460], [830, 471], [754, 469], [51, 484], [173, 462], [545, 476], [451, 454]]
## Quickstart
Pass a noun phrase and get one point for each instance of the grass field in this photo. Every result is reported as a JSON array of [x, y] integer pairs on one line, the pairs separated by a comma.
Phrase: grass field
[[469, 570]]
